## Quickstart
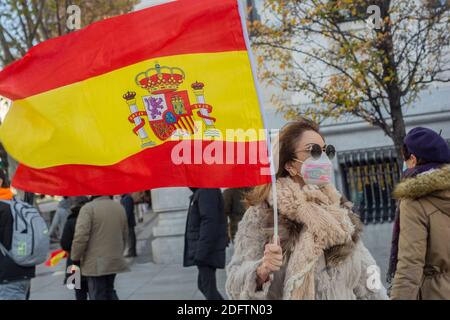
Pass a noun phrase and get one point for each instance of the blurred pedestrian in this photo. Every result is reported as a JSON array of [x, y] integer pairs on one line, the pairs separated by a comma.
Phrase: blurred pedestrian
[[234, 208], [206, 238], [100, 237], [141, 205], [59, 219], [66, 244], [423, 259], [128, 204]]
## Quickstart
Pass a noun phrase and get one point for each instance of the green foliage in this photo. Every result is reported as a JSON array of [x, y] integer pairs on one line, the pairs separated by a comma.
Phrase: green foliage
[[25, 23]]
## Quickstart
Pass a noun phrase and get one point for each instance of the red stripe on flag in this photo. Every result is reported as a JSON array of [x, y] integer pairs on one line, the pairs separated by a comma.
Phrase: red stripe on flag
[[186, 121], [151, 168], [183, 125], [180, 27], [192, 124]]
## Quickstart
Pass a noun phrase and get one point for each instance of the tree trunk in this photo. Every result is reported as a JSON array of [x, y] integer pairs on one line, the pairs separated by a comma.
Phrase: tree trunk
[[8, 56], [391, 72], [398, 128]]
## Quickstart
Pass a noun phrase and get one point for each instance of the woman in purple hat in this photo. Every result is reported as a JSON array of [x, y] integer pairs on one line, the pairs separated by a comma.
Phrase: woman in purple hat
[[423, 258]]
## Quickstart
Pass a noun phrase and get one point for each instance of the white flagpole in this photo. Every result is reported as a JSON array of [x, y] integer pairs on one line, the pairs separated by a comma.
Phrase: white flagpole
[[274, 192], [243, 15]]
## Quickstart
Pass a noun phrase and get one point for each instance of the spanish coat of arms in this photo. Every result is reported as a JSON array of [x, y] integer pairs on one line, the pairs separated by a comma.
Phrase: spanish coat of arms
[[168, 109]]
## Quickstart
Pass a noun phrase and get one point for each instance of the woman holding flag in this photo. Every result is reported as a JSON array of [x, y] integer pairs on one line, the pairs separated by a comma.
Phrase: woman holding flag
[[318, 254]]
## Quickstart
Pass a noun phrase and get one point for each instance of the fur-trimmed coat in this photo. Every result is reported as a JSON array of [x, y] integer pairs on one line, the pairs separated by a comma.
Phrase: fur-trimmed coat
[[423, 267], [324, 257]]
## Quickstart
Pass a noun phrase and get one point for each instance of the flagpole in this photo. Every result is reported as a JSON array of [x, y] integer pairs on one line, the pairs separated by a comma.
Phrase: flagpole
[[243, 15]]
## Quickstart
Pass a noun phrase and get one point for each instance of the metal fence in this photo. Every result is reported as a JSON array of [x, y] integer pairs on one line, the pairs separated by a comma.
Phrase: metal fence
[[369, 177]]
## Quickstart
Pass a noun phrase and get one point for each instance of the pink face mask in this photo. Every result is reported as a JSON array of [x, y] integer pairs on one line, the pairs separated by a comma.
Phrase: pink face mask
[[317, 172]]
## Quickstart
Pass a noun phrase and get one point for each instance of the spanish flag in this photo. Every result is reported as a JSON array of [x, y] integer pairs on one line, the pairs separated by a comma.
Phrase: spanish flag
[[56, 257], [161, 97]]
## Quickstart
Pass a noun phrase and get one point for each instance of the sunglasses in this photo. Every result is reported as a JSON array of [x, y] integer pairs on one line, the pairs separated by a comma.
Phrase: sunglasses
[[316, 151]]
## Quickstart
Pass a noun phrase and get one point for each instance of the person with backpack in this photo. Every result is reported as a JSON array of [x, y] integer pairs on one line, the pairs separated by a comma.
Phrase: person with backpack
[[206, 238], [423, 258], [24, 244]]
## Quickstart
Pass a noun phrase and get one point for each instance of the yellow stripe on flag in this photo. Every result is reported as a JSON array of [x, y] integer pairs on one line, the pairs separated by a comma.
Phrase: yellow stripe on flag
[[87, 122]]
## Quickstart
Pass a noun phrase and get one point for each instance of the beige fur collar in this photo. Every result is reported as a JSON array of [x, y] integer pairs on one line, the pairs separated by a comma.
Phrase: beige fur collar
[[313, 222], [424, 184], [337, 254], [319, 210], [290, 232]]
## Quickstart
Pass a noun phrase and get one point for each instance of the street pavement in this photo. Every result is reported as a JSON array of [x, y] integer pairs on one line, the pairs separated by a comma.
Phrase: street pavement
[[149, 281]]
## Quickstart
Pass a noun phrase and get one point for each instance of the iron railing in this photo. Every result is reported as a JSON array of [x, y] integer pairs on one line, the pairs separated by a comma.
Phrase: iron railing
[[369, 177]]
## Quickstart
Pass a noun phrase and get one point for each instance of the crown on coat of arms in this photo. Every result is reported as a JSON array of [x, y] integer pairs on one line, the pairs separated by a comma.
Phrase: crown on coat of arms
[[197, 85], [160, 79], [129, 95]]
